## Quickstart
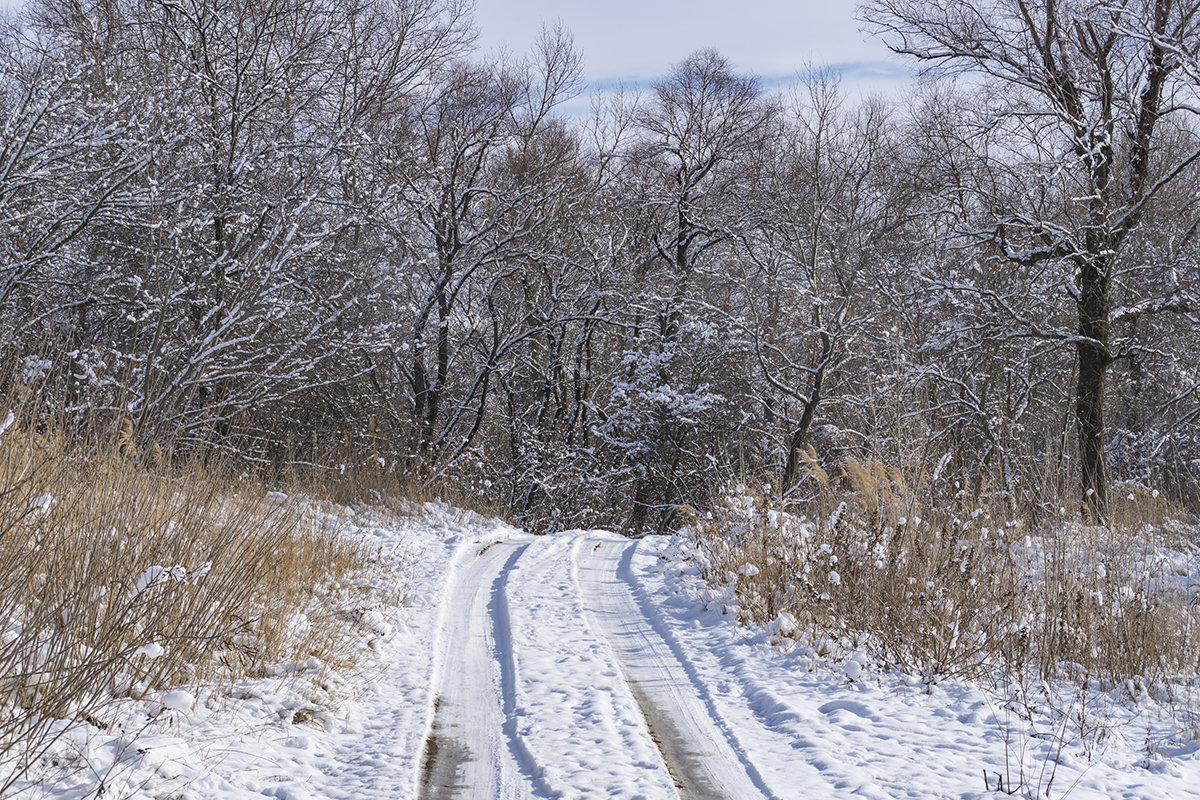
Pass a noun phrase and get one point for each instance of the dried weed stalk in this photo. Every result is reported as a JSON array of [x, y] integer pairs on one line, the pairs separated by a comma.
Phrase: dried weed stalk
[[120, 576], [870, 557]]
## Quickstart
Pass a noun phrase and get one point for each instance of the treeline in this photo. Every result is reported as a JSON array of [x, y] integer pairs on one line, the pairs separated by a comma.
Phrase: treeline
[[334, 232]]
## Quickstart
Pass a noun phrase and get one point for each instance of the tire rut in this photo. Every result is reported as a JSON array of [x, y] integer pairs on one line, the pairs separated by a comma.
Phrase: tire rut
[[440, 769], [701, 761], [464, 756], [683, 763]]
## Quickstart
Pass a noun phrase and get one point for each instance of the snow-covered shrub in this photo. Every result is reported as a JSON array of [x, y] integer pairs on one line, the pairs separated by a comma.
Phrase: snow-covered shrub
[[963, 591], [669, 422], [121, 581]]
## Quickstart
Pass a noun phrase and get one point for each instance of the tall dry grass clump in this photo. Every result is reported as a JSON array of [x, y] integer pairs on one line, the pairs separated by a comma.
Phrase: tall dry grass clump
[[871, 560], [121, 577], [358, 474]]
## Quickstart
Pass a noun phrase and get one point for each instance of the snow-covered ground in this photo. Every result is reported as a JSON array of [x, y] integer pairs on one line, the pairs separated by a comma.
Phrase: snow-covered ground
[[585, 665]]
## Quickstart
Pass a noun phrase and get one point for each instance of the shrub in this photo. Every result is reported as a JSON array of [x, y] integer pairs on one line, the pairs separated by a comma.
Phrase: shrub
[[871, 559], [122, 576]]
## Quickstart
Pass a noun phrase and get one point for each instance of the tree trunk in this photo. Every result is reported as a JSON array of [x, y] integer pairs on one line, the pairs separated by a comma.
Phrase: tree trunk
[[800, 436], [1095, 356], [798, 440]]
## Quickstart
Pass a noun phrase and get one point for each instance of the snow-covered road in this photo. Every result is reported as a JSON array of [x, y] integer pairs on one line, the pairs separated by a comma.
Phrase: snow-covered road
[[587, 665], [554, 678]]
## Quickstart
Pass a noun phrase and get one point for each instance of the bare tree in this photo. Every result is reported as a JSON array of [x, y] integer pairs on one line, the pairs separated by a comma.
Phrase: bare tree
[[67, 164], [479, 175], [1077, 106], [693, 129], [825, 199], [231, 288]]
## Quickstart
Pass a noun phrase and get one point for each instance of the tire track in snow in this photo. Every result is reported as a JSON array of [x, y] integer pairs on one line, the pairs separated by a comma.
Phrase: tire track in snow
[[465, 753], [703, 754], [575, 710]]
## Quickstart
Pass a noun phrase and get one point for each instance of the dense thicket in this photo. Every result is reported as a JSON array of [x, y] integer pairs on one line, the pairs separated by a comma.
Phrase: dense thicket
[[334, 232]]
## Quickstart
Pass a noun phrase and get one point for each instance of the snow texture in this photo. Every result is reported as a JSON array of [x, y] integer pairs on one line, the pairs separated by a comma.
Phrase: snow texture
[[586, 665]]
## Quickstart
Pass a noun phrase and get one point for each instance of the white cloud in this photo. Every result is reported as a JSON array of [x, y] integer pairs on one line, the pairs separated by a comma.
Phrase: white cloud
[[635, 41]]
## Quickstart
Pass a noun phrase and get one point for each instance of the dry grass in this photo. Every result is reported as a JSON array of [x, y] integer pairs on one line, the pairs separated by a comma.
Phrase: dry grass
[[371, 480], [121, 577], [870, 559]]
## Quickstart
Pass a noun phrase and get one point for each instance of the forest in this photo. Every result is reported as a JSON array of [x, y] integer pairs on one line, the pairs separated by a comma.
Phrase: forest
[[337, 235]]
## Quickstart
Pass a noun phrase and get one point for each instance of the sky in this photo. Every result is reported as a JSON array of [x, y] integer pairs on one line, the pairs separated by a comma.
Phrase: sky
[[636, 41]]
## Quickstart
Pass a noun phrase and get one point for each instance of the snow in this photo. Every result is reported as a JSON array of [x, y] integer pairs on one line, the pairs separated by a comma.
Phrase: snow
[[156, 576], [178, 700], [585, 665], [896, 736], [152, 650], [569, 694], [41, 504]]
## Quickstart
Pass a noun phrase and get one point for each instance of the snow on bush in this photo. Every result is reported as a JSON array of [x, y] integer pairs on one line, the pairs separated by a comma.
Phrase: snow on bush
[[957, 592]]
